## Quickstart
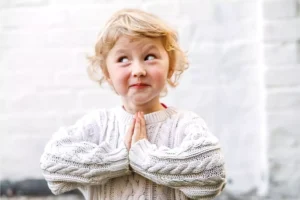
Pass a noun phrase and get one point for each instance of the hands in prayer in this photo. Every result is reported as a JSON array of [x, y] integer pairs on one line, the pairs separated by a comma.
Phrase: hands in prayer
[[136, 131]]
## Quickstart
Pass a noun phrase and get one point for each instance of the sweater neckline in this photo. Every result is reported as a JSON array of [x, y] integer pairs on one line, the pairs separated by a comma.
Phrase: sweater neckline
[[150, 118]]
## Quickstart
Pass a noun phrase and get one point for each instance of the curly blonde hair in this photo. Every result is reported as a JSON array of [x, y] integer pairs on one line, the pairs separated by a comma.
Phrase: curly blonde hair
[[136, 23]]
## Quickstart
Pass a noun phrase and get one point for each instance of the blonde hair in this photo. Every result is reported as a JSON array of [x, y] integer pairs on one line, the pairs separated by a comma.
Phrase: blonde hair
[[136, 24]]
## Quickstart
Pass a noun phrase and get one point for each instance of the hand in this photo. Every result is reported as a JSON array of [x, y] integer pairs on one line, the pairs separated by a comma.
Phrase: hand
[[136, 131], [139, 132]]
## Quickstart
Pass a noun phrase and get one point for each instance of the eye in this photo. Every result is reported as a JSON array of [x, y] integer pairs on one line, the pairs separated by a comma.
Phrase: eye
[[150, 57], [123, 59]]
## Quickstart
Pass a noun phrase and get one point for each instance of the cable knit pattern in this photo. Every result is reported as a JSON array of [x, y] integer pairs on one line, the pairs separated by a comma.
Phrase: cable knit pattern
[[181, 159]]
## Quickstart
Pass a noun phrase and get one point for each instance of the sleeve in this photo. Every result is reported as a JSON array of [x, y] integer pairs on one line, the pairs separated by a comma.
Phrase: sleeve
[[72, 158], [195, 167]]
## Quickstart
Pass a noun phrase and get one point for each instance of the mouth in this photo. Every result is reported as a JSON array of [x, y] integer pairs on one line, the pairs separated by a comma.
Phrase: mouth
[[139, 85]]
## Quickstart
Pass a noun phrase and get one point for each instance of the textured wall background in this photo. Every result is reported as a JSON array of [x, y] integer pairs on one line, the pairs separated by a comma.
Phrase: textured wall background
[[243, 80], [282, 63]]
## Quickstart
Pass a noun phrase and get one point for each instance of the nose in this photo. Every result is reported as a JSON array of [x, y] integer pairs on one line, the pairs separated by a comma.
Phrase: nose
[[138, 70]]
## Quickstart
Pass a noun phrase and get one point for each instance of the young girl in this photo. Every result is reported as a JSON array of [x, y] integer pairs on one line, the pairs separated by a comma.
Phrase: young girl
[[142, 149]]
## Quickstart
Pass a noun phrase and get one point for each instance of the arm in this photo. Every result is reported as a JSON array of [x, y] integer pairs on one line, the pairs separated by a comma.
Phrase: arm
[[72, 158], [196, 167]]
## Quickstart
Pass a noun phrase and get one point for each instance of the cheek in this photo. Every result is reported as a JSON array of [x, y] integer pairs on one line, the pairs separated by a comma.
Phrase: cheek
[[159, 76], [119, 77]]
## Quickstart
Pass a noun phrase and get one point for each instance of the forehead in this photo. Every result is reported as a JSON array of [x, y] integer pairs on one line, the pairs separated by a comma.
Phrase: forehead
[[125, 42]]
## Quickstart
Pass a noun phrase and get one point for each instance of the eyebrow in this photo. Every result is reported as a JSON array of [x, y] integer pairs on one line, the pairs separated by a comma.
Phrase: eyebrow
[[144, 48], [149, 47], [121, 51]]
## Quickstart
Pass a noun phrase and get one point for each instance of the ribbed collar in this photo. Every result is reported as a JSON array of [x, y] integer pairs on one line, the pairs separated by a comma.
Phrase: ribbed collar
[[150, 118]]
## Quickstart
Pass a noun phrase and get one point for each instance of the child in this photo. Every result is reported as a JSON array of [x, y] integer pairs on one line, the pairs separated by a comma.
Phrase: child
[[142, 149]]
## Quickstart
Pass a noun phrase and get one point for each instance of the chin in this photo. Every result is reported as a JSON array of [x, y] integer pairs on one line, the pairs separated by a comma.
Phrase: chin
[[141, 99]]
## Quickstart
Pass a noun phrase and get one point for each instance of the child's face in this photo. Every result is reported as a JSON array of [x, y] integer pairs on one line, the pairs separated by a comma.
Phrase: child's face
[[138, 69]]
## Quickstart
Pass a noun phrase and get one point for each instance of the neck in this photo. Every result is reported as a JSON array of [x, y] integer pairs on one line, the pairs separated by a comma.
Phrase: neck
[[147, 108]]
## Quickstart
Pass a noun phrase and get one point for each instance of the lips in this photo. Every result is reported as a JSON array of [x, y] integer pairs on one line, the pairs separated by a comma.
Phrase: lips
[[139, 84]]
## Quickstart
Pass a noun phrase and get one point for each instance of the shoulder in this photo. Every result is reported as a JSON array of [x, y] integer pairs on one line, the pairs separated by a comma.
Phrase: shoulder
[[192, 126], [90, 125], [186, 117], [188, 122]]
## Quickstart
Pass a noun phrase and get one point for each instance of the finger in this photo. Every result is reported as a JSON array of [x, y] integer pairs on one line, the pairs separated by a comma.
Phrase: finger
[[129, 134], [143, 125], [132, 125], [137, 128]]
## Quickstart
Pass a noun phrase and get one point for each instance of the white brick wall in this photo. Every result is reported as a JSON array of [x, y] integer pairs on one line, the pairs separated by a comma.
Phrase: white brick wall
[[277, 9], [282, 60], [44, 85]]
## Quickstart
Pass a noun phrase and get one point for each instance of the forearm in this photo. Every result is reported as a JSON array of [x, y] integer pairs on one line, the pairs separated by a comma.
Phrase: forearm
[[190, 170], [74, 162]]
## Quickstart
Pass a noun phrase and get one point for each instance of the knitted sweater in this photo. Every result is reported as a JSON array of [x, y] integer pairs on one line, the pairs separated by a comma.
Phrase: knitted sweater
[[181, 159]]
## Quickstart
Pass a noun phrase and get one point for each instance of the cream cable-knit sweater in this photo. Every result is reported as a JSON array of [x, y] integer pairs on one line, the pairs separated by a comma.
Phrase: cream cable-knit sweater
[[180, 160]]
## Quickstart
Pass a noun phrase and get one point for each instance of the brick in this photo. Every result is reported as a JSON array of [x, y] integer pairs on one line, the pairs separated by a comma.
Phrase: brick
[[58, 38], [185, 29], [15, 85], [284, 128], [57, 101], [40, 61], [284, 147], [91, 3], [204, 53], [228, 31], [237, 53], [283, 100], [237, 75], [76, 2], [279, 171], [39, 18], [97, 98], [93, 16], [71, 38], [20, 152], [232, 53], [13, 123], [27, 3], [230, 64], [205, 12], [242, 183], [282, 30], [235, 10], [69, 79], [283, 77], [238, 98], [17, 39], [159, 8], [281, 53], [204, 77], [276, 9], [4, 4]]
